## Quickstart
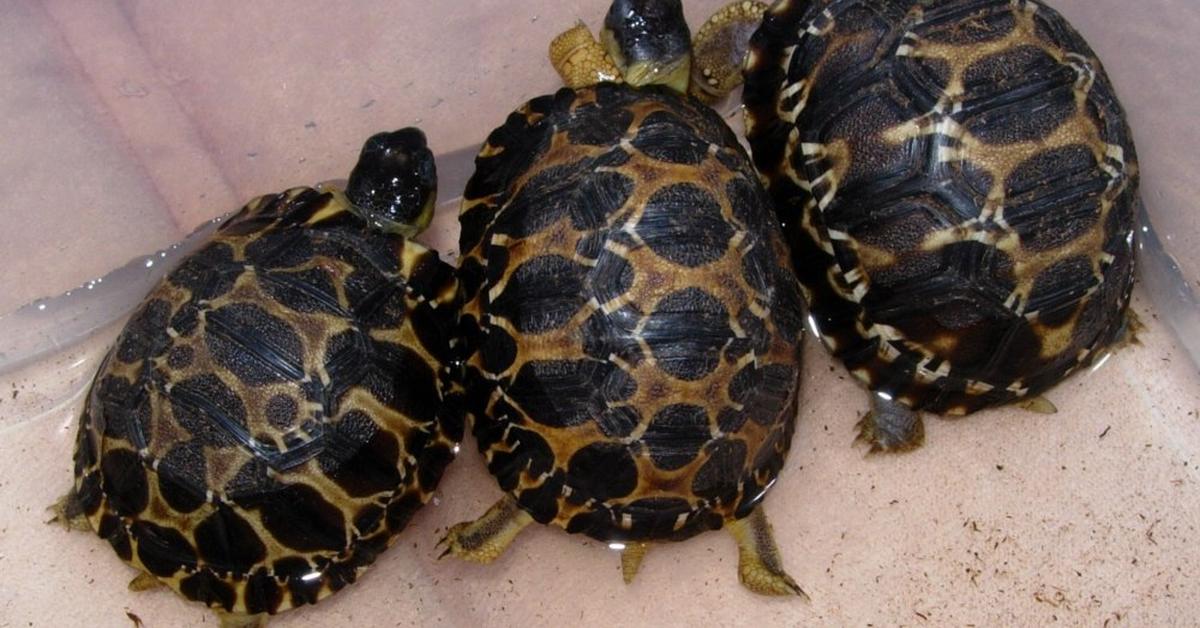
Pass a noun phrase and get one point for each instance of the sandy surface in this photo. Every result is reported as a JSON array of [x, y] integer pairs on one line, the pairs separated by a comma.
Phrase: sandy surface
[[128, 123]]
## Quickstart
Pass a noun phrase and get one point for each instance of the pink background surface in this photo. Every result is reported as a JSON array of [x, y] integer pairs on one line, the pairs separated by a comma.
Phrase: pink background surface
[[126, 124]]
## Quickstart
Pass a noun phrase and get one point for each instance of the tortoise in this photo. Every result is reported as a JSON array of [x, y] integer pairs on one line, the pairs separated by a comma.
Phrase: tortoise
[[631, 325], [957, 181], [268, 420]]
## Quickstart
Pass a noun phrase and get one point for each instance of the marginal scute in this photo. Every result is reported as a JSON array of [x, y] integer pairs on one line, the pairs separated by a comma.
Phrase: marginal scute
[[124, 480], [279, 249], [747, 202], [227, 542], [499, 350], [767, 399], [205, 587], [162, 550], [115, 396], [263, 594], [534, 455], [595, 125], [541, 502], [400, 511], [207, 273], [145, 335], [602, 471]]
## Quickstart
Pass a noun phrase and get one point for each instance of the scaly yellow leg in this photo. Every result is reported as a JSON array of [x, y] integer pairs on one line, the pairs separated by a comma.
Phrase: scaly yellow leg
[[484, 539], [759, 566]]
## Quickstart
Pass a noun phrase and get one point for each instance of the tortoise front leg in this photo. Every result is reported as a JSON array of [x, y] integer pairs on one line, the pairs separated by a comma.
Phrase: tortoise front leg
[[485, 539]]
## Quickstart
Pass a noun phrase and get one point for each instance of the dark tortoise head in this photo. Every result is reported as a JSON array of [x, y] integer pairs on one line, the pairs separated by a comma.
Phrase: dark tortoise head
[[650, 42], [394, 183]]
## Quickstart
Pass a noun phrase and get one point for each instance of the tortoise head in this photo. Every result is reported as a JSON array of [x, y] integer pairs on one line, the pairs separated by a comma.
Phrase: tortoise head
[[394, 183], [650, 42]]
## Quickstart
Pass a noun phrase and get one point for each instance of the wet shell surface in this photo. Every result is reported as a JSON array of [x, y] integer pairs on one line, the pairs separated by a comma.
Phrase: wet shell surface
[[268, 419], [634, 326], [957, 182]]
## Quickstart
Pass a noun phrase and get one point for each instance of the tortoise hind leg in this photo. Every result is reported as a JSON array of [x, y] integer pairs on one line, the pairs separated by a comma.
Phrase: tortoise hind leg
[[484, 539], [890, 427], [759, 567], [68, 511]]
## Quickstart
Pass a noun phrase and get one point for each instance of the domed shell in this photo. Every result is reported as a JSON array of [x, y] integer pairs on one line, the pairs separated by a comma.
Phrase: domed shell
[[634, 325], [268, 419], [957, 182]]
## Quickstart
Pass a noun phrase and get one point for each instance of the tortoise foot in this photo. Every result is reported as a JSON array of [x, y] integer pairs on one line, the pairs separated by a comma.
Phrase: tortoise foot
[[760, 568], [485, 539], [890, 427]]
